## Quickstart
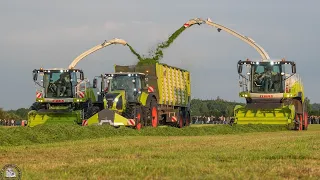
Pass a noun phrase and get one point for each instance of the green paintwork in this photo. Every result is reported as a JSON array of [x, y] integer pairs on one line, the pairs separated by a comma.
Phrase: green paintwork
[[122, 94], [37, 118], [143, 98], [283, 115], [117, 119], [74, 117]]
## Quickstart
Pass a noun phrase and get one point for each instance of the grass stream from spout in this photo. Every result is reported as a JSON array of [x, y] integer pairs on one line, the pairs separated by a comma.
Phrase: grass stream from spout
[[156, 55]]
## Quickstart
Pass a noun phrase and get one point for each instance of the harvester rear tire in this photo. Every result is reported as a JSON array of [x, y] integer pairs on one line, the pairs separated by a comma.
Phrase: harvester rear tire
[[298, 122], [305, 121]]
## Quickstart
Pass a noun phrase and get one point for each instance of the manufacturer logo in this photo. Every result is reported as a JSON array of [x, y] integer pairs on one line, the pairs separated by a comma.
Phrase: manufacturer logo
[[58, 101], [266, 96], [10, 171]]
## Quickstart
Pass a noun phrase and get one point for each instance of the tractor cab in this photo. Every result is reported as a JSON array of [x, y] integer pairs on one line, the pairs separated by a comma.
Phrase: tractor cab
[[265, 77], [130, 84], [59, 83]]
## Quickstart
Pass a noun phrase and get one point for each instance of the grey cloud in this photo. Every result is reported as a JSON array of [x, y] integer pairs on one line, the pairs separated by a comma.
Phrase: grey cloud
[[39, 33]]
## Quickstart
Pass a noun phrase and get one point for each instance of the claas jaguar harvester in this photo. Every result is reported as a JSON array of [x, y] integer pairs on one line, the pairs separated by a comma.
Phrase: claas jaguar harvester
[[274, 94], [63, 95], [145, 95]]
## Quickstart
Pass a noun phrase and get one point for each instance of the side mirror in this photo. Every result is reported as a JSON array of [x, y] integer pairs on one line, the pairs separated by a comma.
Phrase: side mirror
[[95, 82], [81, 76], [35, 76], [293, 67], [239, 69]]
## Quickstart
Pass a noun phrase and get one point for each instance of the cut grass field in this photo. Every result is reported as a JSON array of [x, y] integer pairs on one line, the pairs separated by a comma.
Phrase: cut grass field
[[251, 155]]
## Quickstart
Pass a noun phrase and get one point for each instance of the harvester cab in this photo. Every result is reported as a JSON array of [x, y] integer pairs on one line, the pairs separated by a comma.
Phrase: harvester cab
[[62, 96], [274, 94], [58, 83]]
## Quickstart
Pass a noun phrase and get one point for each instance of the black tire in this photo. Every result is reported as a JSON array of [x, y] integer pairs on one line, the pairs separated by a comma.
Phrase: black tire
[[181, 119], [95, 110], [35, 106], [151, 114], [296, 122], [138, 116], [187, 118]]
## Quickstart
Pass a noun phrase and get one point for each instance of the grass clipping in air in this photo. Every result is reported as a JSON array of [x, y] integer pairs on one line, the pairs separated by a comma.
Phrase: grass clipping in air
[[58, 133], [156, 55]]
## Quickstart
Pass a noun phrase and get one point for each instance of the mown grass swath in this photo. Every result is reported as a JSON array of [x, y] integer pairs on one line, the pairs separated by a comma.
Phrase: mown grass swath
[[261, 155], [57, 133]]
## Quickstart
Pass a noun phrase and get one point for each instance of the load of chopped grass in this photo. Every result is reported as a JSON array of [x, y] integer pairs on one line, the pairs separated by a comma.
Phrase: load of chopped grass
[[57, 133]]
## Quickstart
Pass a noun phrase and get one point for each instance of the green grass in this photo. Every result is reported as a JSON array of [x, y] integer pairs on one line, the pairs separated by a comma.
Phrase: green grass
[[258, 155], [58, 133]]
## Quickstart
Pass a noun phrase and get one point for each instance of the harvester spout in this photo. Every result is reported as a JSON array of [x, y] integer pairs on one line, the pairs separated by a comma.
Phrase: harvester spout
[[96, 48], [264, 55], [118, 41], [194, 21]]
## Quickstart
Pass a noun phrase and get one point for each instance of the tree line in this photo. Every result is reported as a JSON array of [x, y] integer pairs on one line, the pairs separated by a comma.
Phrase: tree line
[[199, 107]]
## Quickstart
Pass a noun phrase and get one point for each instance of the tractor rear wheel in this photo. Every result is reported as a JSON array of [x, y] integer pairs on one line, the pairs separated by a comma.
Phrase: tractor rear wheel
[[151, 113]]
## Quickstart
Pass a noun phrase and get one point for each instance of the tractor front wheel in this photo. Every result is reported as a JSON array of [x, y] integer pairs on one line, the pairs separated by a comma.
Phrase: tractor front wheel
[[138, 115]]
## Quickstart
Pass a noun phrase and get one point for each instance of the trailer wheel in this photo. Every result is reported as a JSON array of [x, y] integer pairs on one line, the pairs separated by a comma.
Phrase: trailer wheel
[[181, 119], [187, 118]]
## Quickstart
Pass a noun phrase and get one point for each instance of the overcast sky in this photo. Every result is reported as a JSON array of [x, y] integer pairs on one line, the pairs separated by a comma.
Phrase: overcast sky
[[37, 33]]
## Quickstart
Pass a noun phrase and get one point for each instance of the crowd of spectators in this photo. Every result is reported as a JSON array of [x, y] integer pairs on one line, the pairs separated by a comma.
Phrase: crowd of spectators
[[10, 122], [226, 120], [210, 120], [314, 119]]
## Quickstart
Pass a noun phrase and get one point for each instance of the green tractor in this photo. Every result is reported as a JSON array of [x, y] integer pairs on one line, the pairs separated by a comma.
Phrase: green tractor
[[274, 94], [145, 95], [63, 96]]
